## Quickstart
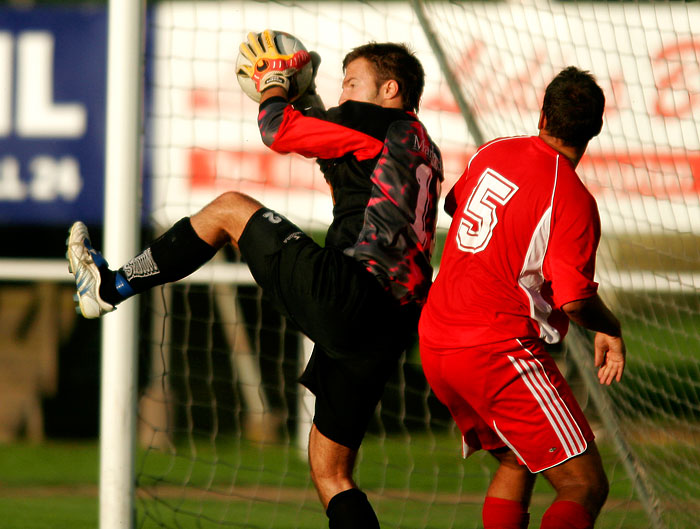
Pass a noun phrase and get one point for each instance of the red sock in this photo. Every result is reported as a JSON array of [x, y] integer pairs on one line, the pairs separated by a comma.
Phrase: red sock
[[504, 514], [566, 515]]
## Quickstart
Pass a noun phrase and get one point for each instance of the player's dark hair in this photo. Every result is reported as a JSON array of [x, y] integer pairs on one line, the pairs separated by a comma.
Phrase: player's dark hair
[[394, 61], [573, 105]]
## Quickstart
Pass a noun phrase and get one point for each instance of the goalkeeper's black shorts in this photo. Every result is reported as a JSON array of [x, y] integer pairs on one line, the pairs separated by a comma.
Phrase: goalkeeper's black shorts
[[359, 329]]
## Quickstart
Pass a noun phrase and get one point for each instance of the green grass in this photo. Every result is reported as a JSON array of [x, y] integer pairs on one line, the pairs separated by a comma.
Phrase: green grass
[[48, 511], [54, 485], [49, 464]]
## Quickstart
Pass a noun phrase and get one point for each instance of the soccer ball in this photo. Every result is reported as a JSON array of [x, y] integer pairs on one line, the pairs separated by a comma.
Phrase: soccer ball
[[287, 44]]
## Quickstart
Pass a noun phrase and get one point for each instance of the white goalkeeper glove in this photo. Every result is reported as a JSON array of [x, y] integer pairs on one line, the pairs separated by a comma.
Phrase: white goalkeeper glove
[[270, 67]]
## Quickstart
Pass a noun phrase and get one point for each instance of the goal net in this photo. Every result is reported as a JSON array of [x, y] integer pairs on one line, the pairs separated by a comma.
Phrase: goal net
[[223, 421]]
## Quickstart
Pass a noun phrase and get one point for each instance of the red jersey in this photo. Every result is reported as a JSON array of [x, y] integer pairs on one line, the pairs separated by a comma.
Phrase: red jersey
[[522, 243]]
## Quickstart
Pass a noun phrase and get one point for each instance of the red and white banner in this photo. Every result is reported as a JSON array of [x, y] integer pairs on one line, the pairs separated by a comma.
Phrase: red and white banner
[[644, 167]]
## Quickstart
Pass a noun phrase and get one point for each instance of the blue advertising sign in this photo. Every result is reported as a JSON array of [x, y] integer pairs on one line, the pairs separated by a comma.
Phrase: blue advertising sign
[[52, 115]]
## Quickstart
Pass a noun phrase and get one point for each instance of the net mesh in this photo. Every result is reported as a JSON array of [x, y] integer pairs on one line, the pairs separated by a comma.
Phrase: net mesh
[[223, 421]]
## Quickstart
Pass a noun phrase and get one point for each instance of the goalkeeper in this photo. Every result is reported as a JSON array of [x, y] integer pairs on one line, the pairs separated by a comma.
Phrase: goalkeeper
[[359, 296]]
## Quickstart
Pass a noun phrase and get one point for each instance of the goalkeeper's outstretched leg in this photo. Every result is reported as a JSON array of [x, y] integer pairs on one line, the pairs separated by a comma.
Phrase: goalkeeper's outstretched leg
[[181, 250]]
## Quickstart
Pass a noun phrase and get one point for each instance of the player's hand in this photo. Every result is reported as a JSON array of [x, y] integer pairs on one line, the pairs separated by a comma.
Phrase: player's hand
[[610, 355], [310, 100], [315, 59], [270, 67]]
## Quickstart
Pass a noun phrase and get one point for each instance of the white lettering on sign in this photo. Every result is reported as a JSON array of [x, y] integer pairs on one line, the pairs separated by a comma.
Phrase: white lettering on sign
[[37, 115], [11, 187], [5, 84], [50, 179]]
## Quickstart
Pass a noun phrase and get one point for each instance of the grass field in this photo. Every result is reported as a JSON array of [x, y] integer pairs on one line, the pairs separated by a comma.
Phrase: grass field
[[54, 485], [416, 481]]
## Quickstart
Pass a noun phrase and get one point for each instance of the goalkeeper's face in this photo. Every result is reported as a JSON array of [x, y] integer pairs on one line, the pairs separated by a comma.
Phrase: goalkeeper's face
[[360, 83]]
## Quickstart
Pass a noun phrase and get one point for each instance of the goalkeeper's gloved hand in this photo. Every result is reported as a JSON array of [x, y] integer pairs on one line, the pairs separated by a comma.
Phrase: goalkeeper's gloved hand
[[310, 101], [270, 67]]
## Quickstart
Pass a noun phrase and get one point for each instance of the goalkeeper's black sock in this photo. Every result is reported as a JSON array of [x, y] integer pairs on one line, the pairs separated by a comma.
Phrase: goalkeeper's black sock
[[350, 509], [174, 255]]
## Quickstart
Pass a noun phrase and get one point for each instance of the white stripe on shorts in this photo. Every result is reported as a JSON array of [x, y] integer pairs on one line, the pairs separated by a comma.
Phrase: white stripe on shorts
[[535, 378]]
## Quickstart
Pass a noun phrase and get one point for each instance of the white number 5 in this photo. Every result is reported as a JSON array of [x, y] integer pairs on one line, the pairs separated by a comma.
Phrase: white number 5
[[479, 219]]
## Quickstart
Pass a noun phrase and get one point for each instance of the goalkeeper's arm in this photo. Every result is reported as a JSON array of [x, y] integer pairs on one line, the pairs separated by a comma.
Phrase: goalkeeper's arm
[[273, 91]]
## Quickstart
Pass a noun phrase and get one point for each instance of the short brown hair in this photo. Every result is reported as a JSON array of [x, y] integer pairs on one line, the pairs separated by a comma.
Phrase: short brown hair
[[573, 105], [394, 61]]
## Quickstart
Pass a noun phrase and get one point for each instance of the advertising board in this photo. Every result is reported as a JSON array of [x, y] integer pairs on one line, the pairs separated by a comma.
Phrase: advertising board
[[52, 113], [644, 168]]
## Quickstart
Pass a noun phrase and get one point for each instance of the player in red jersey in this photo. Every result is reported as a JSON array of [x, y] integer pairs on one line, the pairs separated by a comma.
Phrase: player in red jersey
[[359, 296], [518, 264]]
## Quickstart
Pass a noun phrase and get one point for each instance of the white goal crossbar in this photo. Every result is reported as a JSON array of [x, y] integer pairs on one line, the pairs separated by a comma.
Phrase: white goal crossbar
[[217, 272]]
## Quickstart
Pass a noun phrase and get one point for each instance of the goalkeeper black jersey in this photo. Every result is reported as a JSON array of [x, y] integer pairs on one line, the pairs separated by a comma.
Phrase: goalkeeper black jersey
[[384, 172]]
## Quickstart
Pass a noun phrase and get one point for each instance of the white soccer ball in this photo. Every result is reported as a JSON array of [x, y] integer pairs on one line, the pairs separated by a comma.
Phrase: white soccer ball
[[287, 44]]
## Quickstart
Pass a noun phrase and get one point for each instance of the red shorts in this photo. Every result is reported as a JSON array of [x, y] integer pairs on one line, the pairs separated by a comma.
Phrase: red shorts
[[509, 394]]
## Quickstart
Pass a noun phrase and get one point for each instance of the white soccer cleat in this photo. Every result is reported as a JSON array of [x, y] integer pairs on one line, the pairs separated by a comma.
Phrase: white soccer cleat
[[84, 263]]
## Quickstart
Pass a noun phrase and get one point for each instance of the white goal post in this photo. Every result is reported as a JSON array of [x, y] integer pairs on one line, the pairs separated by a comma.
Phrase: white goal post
[[121, 226]]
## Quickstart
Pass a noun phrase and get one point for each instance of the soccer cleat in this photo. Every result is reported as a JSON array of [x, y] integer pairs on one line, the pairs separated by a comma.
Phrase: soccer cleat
[[84, 262]]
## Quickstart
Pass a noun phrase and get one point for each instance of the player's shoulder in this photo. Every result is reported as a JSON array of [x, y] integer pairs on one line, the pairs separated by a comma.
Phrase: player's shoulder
[[571, 189], [512, 144], [411, 138], [507, 142], [360, 111], [368, 118], [505, 149], [407, 124]]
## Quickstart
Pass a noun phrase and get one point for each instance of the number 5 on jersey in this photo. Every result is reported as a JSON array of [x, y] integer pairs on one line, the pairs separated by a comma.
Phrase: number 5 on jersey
[[480, 216]]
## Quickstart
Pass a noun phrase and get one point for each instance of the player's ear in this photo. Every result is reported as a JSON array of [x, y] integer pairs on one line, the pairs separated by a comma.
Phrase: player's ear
[[390, 89], [542, 124]]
